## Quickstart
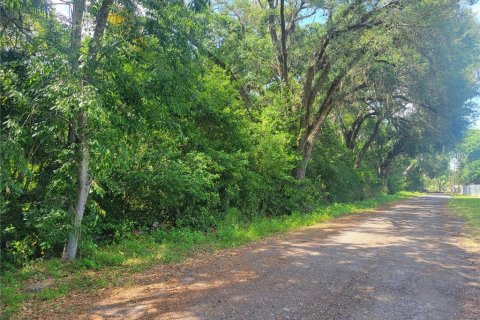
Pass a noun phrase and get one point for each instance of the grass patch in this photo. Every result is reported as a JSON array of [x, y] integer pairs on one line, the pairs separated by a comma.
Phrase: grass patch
[[469, 209], [107, 265]]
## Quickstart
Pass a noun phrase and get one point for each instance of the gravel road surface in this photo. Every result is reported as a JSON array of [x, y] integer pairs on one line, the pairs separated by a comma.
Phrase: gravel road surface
[[401, 262]]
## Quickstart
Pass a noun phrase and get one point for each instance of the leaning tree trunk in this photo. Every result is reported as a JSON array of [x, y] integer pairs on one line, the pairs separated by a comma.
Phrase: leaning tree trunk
[[306, 152], [363, 151], [307, 140], [384, 169], [310, 130]]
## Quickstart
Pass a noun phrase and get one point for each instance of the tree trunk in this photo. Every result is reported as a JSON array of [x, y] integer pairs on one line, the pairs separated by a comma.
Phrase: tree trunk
[[352, 134], [84, 178], [70, 249], [283, 42], [409, 168], [361, 154], [307, 140], [83, 188], [384, 174], [384, 169], [300, 171]]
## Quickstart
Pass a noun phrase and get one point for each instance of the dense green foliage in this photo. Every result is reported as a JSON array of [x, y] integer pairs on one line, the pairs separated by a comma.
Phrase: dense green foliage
[[182, 114], [469, 160]]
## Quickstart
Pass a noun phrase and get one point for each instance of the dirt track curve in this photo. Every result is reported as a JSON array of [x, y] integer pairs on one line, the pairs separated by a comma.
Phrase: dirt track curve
[[403, 262]]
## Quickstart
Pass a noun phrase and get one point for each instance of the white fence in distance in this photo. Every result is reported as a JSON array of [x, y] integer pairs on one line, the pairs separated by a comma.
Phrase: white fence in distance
[[469, 190]]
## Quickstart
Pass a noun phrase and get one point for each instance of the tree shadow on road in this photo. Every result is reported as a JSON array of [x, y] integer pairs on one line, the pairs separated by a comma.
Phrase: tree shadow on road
[[402, 263]]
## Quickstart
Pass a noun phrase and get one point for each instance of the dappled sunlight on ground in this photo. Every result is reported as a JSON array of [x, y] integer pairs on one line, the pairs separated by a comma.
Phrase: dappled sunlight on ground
[[405, 262]]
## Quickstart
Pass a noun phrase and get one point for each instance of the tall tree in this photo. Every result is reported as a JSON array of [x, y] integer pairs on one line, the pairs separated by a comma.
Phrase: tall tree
[[79, 127]]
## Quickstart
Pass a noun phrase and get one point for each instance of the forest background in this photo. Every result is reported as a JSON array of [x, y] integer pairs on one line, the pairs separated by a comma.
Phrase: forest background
[[132, 116]]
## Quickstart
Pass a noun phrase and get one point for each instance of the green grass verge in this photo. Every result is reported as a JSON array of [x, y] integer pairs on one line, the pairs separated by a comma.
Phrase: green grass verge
[[107, 266], [469, 209]]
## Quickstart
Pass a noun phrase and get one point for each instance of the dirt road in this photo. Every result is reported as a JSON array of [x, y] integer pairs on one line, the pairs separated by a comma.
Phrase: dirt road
[[404, 262]]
